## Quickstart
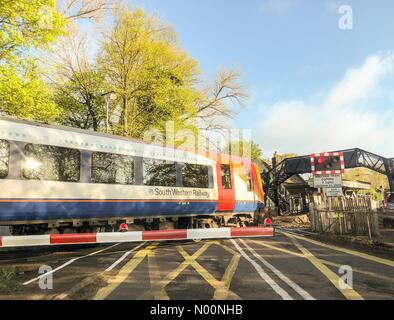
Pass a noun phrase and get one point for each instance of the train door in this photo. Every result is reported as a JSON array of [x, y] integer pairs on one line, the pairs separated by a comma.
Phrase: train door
[[225, 187]]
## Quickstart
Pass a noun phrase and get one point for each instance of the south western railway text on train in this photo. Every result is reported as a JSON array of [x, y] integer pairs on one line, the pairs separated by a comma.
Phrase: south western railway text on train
[[176, 192]]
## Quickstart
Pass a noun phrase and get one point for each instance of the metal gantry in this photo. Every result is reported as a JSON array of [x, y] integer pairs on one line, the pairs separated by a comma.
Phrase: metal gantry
[[299, 165]]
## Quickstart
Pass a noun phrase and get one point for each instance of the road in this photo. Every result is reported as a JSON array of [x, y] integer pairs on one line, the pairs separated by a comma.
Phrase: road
[[287, 266]]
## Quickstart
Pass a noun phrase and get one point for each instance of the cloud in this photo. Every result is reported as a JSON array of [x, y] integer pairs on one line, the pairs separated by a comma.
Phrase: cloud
[[349, 115]]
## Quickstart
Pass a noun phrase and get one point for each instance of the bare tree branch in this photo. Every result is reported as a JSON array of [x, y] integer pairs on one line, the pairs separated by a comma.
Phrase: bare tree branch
[[85, 9]]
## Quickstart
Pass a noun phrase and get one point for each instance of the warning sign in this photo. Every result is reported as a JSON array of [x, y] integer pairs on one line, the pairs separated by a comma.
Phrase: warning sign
[[333, 192], [327, 181]]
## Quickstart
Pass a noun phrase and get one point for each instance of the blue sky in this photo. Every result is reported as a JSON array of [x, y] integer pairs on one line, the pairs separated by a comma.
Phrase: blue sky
[[296, 62]]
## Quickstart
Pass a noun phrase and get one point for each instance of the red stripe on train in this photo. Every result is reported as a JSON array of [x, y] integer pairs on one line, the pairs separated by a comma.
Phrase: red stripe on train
[[164, 234], [73, 238], [1, 241], [250, 231]]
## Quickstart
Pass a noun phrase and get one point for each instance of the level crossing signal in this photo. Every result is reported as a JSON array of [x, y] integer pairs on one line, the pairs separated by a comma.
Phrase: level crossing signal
[[327, 163]]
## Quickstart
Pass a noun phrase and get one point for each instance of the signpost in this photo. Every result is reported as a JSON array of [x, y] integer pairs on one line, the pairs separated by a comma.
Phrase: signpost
[[333, 192], [327, 169], [327, 181]]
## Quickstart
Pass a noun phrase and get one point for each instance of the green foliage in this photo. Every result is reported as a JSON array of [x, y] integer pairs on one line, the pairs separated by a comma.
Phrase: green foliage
[[139, 59], [27, 23], [366, 175], [246, 149], [286, 156], [7, 279], [375, 194], [152, 76], [24, 94], [82, 101]]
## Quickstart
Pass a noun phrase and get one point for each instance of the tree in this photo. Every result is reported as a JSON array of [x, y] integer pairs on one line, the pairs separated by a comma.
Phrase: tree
[[27, 96], [363, 174], [82, 101], [246, 149], [84, 9], [27, 26], [150, 73], [79, 84], [216, 101], [27, 23]]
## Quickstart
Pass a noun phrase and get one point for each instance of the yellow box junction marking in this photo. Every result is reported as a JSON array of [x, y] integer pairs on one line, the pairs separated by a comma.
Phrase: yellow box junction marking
[[154, 277], [349, 294], [221, 286], [161, 284], [124, 272], [329, 263], [348, 251]]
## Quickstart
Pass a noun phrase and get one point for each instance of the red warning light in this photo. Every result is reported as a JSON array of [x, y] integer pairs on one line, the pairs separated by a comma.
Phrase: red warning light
[[123, 227], [321, 160], [267, 221]]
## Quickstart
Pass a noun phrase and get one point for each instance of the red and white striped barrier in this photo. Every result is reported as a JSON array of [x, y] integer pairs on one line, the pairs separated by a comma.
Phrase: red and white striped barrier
[[135, 236]]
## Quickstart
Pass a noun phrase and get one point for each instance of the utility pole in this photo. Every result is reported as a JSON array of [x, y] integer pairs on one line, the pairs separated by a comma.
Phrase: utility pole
[[112, 96], [275, 174]]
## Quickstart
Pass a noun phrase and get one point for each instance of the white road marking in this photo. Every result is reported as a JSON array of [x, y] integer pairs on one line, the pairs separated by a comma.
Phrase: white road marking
[[278, 289], [124, 257], [298, 232], [291, 232], [280, 275], [68, 263]]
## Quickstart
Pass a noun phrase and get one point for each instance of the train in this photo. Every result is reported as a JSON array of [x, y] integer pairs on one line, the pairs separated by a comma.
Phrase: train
[[57, 179]]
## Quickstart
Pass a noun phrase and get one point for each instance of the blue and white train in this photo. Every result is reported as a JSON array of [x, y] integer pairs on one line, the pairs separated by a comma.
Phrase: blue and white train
[[59, 179]]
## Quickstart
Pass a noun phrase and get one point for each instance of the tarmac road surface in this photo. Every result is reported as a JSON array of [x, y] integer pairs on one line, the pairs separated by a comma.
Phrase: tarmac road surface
[[287, 266]]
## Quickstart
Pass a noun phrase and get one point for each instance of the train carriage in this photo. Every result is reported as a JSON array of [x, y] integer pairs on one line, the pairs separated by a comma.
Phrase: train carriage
[[58, 179]]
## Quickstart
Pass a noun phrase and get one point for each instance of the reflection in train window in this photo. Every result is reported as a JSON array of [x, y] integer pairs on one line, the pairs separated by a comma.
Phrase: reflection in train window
[[112, 168], [51, 163], [195, 176], [4, 158], [248, 179], [226, 176], [159, 173]]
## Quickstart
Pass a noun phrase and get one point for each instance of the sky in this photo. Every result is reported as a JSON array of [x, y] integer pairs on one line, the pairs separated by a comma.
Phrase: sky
[[314, 87]]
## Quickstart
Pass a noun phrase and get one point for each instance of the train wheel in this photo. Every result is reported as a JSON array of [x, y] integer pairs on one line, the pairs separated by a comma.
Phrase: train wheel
[[109, 228], [69, 230], [167, 225], [214, 225], [51, 231], [135, 227]]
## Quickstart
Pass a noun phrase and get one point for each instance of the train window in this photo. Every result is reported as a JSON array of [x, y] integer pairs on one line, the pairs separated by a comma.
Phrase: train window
[[195, 176], [248, 180], [4, 158], [112, 168], [159, 173], [51, 163], [226, 176]]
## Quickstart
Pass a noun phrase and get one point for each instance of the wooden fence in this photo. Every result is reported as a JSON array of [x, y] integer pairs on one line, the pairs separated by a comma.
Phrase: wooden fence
[[341, 215]]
